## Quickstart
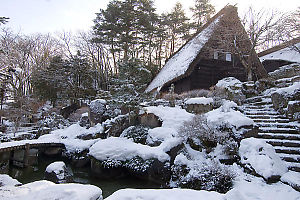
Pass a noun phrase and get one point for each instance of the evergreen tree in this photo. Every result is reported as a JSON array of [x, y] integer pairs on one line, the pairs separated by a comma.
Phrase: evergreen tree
[[80, 78], [3, 20], [178, 26], [202, 11], [51, 83]]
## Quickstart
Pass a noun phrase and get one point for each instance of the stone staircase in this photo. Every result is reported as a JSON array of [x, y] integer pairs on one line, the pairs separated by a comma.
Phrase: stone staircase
[[275, 129]]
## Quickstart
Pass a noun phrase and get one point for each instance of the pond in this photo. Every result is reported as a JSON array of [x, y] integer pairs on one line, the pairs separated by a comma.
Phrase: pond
[[80, 175]]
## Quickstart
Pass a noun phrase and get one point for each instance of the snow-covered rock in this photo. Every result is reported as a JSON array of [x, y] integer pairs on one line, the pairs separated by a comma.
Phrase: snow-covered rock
[[261, 157], [97, 109], [46, 190], [57, 172], [199, 105], [6, 180], [115, 148], [227, 116], [229, 83]]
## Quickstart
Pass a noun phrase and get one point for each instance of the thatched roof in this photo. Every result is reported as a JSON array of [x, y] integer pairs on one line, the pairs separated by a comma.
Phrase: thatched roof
[[181, 63]]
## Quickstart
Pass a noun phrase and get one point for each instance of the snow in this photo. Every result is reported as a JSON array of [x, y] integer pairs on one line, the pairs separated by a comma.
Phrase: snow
[[226, 115], [257, 189], [292, 178], [163, 194], [46, 190], [123, 149], [229, 82], [252, 189], [178, 64], [172, 117], [6, 180], [58, 168], [67, 136], [289, 90], [288, 54], [200, 100], [262, 157]]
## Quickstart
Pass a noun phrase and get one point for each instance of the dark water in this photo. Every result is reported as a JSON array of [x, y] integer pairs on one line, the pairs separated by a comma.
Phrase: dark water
[[81, 175]]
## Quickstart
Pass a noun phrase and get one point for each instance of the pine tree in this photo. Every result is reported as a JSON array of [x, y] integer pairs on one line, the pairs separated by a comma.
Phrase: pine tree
[[178, 26], [3, 20], [202, 11]]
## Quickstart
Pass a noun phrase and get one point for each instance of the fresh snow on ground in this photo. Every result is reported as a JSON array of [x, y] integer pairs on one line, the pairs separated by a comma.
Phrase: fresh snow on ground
[[46, 190], [6, 180], [292, 178], [252, 189], [289, 54], [164, 194], [199, 100], [262, 157], [178, 64]]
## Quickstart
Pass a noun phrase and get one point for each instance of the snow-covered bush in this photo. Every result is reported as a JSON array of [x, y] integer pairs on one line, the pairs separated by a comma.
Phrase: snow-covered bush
[[201, 135], [203, 174], [53, 121], [138, 133], [194, 93]]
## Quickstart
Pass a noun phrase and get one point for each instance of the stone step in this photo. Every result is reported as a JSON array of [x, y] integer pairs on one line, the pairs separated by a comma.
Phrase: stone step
[[294, 166], [265, 116], [278, 125], [257, 99], [261, 103], [285, 143], [253, 112], [291, 158], [255, 109], [279, 136], [278, 130], [287, 150], [283, 120]]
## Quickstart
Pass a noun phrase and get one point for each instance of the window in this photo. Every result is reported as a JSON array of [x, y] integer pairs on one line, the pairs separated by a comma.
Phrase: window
[[215, 55], [228, 57]]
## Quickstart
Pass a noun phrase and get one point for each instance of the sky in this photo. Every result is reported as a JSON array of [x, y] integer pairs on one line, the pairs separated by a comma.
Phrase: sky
[[44, 16]]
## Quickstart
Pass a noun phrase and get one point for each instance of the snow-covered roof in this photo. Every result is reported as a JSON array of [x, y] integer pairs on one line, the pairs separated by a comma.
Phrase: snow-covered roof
[[178, 64], [288, 51]]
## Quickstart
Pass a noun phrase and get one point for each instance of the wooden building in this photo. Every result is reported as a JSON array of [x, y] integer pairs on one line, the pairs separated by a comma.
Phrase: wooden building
[[283, 54], [215, 52]]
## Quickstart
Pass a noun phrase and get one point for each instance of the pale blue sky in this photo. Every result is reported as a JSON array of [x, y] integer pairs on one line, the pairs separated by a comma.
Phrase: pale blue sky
[[30, 16]]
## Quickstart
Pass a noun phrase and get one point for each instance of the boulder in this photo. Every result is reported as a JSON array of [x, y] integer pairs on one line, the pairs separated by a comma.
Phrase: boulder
[[279, 101], [199, 105], [150, 120], [57, 172], [97, 109], [260, 158], [108, 169], [84, 120], [116, 126], [150, 169], [293, 110], [66, 111]]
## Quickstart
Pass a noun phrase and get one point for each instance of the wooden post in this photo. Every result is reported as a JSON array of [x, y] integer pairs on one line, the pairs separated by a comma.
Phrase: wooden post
[[26, 155]]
